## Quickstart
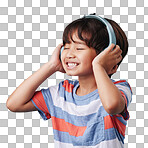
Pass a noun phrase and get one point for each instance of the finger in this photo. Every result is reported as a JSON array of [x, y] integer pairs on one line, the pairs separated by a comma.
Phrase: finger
[[117, 50], [115, 69], [60, 45], [119, 58], [58, 48], [111, 47], [118, 55]]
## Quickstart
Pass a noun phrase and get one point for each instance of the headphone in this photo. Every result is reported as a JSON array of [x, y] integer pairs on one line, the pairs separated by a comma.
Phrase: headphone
[[110, 30]]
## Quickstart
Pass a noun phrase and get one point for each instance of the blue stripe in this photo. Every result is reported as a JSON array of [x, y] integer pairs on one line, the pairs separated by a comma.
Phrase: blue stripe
[[74, 119], [120, 137], [92, 136], [122, 120], [112, 133]]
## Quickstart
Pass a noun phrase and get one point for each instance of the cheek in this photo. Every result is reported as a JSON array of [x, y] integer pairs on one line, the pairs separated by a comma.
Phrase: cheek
[[86, 57], [87, 62], [62, 57]]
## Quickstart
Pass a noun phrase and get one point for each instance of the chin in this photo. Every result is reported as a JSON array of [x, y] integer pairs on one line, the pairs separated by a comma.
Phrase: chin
[[71, 74]]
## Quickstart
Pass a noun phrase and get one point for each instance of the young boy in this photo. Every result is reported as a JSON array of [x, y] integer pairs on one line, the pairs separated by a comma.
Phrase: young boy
[[88, 112]]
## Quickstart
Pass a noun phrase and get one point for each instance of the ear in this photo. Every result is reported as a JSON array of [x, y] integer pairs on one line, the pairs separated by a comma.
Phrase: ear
[[114, 69]]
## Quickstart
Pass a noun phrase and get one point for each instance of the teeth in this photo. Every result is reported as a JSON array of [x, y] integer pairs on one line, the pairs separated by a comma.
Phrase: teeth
[[72, 64]]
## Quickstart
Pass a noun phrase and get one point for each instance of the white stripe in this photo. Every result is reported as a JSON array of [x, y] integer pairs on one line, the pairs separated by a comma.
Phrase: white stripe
[[115, 143], [127, 91], [71, 108]]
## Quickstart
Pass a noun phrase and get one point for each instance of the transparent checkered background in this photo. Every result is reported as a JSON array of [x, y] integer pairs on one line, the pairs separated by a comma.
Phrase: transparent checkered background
[[29, 32]]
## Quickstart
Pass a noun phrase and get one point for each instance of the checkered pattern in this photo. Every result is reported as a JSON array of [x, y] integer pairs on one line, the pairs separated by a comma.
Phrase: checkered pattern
[[29, 32]]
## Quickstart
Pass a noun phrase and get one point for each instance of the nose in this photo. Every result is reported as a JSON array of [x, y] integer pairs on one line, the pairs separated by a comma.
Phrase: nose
[[71, 52]]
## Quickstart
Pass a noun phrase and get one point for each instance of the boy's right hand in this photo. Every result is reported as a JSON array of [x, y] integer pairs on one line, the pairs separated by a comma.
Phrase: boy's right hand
[[55, 60]]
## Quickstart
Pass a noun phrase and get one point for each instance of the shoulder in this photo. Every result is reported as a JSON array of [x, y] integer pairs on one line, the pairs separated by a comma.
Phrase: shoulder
[[125, 90], [122, 83], [119, 81], [63, 85]]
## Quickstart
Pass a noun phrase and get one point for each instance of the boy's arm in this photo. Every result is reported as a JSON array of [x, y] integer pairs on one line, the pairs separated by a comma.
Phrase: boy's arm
[[19, 100], [110, 96], [104, 64]]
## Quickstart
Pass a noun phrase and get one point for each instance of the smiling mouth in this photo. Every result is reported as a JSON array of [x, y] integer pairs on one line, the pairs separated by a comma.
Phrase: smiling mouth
[[71, 65]]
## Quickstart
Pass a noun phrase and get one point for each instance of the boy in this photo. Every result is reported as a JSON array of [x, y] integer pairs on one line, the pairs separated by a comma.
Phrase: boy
[[88, 112]]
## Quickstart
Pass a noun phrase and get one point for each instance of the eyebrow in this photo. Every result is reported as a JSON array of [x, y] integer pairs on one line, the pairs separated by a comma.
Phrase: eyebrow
[[80, 42]]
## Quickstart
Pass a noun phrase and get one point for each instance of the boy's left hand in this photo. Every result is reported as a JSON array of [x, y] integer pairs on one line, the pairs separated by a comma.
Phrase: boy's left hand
[[108, 59]]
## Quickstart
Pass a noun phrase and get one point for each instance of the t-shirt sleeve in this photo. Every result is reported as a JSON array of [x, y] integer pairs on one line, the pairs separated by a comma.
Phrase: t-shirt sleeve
[[126, 93], [40, 101]]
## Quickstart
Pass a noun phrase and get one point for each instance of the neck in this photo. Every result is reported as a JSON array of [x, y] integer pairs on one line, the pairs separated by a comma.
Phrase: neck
[[87, 85]]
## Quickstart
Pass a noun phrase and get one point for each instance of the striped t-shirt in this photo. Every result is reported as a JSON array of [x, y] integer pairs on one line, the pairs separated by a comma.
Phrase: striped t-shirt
[[81, 121]]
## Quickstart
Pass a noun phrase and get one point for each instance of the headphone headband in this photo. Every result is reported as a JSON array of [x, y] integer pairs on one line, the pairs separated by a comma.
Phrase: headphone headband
[[112, 36]]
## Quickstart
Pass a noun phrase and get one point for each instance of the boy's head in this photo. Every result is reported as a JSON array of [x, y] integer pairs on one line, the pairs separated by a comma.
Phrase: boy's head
[[94, 33]]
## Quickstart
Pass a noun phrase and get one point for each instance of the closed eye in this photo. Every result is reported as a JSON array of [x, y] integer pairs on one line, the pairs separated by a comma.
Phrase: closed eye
[[80, 48], [77, 48]]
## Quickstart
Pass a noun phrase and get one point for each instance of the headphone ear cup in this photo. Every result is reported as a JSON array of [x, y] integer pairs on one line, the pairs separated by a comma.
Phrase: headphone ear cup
[[62, 48]]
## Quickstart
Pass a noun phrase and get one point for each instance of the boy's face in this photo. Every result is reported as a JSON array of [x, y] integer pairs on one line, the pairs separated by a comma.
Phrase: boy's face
[[77, 58]]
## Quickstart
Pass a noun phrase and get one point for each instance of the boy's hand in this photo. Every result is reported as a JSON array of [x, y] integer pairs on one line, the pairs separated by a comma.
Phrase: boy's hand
[[108, 59], [55, 61]]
